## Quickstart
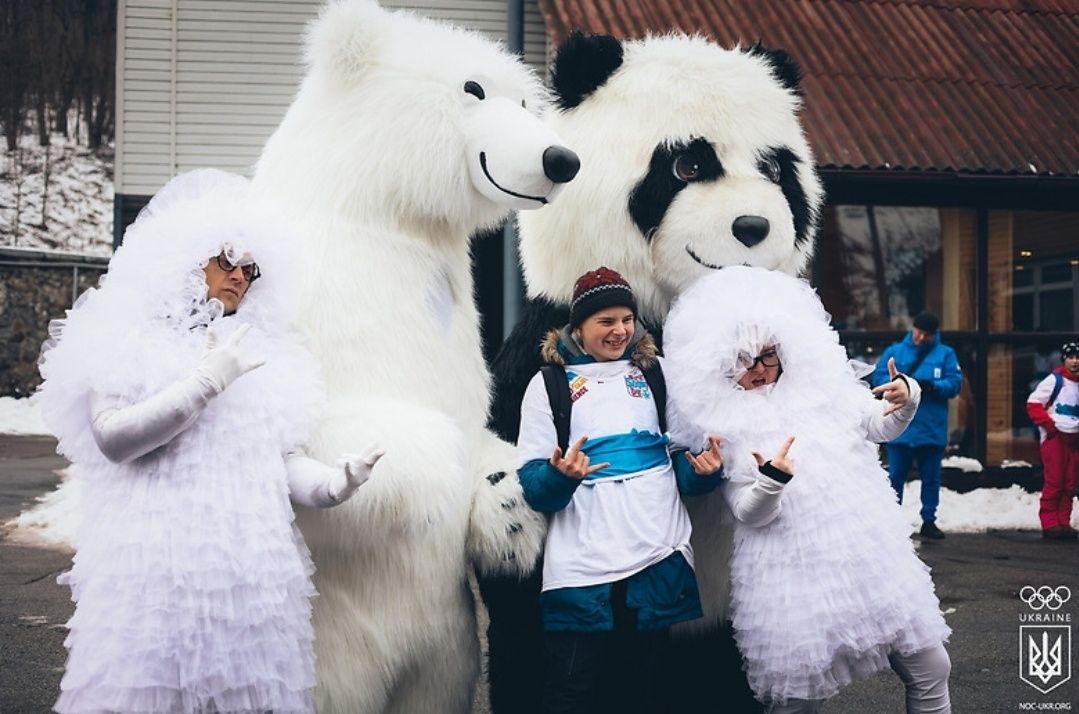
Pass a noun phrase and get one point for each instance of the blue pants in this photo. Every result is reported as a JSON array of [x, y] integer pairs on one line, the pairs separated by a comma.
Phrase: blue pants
[[900, 458]]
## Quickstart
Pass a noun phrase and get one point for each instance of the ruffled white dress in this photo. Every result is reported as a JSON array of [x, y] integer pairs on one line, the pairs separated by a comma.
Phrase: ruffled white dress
[[192, 584], [825, 592]]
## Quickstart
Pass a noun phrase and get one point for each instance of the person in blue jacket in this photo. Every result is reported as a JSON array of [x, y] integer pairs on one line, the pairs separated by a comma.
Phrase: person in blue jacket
[[618, 566], [923, 356]]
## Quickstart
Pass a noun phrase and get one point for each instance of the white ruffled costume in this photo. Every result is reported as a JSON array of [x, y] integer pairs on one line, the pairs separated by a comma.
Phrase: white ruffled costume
[[825, 592], [191, 582]]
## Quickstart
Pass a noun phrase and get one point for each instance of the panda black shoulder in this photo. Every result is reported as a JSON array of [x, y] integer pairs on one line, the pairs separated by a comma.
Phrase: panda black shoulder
[[581, 66], [518, 361]]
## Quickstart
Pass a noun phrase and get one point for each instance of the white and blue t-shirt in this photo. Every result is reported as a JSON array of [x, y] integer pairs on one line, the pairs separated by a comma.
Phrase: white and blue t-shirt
[[626, 517]]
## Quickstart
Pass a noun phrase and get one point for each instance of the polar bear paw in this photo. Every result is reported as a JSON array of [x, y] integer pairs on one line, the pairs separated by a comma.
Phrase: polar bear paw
[[505, 536]]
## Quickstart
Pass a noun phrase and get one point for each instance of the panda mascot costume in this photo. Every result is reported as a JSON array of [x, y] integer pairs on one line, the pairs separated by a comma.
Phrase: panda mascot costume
[[693, 158]]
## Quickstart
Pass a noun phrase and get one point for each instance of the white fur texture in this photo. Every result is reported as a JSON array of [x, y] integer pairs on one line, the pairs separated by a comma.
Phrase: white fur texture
[[374, 163], [668, 89]]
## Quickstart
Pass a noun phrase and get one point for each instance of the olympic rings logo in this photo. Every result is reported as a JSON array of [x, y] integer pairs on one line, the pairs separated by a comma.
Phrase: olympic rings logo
[[1045, 596]]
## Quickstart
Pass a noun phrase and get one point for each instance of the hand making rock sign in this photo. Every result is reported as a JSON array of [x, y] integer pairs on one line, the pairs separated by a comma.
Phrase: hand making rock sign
[[896, 392], [708, 461], [575, 464], [781, 460]]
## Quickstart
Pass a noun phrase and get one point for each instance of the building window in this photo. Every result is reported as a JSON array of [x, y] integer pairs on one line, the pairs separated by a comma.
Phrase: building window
[[1034, 271], [879, 266]]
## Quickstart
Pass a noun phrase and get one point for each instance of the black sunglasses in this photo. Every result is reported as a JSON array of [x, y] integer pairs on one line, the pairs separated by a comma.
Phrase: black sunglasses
[[768, 359], [250, 271]]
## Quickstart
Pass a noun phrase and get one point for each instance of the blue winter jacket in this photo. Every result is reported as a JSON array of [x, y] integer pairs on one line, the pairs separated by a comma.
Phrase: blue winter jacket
[[941, 368]]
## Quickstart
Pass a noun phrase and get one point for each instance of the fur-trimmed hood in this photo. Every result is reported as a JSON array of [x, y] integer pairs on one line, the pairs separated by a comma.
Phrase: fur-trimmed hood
[[643, 346]]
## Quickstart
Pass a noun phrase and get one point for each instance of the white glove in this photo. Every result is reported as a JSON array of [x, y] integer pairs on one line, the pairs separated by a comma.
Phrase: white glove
[[222, 364], [353, 470]]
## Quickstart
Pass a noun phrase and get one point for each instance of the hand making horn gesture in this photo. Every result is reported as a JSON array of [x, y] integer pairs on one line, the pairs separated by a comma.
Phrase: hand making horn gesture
[[575, 464], [781, 460], [708, 461], [896, 392]]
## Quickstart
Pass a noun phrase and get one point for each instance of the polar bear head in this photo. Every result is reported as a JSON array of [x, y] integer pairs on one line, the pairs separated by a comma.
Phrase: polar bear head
[[693, 159], [405, 119]]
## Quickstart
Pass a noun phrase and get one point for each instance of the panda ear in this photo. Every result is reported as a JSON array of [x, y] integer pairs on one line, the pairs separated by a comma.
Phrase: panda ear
[[345, 36], [581, 66], [785, 69]]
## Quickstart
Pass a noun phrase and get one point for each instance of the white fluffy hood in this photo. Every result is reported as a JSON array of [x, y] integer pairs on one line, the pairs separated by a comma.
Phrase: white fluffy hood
[[140, 328], [737, 311]]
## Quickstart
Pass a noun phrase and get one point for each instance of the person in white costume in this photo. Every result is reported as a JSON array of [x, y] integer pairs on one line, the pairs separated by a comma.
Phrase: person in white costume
[[182, 402], [825, 584]]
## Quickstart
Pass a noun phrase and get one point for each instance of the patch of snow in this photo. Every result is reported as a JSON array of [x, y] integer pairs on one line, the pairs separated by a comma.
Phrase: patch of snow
[[979, 510], [1017, 464], [963, 463], [52, 521], [21, 416], [80, 197]]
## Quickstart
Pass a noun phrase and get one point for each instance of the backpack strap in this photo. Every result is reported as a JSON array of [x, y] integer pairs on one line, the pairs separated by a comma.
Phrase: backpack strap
[[554, 379], [1056, 389], [558, 396], [653, 374]]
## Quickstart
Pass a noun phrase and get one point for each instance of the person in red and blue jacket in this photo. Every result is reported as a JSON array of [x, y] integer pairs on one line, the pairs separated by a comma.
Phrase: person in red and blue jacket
[[923, 356], [618, 565], [1054, 407]]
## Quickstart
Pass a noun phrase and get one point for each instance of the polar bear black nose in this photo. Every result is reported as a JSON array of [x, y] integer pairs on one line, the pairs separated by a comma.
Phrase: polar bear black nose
[[560, 164], [750, 230]]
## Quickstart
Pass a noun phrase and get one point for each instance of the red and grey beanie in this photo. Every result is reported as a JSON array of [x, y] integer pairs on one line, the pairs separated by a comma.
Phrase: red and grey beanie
[[596, 290]]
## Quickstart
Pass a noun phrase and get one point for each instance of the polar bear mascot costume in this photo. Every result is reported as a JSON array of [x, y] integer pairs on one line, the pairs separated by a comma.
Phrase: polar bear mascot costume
[[693, 158], [406, 137]]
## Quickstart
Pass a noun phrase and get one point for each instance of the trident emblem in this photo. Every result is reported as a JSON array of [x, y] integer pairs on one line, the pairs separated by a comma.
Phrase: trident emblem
[[1045, 656]]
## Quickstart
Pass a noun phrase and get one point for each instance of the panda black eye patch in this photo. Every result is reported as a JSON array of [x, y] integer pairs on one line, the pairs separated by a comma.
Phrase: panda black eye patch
[[786, 161], [475, 89], [672, 167]]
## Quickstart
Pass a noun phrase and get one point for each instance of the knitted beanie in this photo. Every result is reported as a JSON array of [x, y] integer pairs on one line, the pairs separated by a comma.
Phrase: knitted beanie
[[596, 290], [1070, 349], [927, 321]]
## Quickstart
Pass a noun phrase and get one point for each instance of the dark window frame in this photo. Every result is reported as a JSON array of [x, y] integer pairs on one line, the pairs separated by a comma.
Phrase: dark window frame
[[982, 193]]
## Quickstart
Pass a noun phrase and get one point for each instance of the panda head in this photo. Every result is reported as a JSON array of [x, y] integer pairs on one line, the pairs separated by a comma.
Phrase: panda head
[[692, 159]]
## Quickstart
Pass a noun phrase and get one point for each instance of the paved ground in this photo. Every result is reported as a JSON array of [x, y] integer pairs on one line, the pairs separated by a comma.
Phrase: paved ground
[[978, 578]]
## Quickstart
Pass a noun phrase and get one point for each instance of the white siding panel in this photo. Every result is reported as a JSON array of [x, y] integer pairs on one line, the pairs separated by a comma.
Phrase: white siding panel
[[206, 111], [238, 65]]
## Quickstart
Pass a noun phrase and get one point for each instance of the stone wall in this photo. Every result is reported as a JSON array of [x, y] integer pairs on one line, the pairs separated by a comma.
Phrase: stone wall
[[35, 287]]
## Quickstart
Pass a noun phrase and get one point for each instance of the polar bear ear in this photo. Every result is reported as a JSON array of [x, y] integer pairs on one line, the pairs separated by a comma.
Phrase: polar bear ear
[[582, 65], [344, 37], [786, 71]]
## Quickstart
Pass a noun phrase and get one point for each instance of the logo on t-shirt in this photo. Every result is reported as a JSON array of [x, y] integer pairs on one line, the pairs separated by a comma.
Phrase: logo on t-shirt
[[578, 385], [636, 385]]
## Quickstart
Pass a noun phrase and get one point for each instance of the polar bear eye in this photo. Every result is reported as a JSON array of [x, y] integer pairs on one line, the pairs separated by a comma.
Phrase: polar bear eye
[[686, 168], [770, 168], [474, 89]]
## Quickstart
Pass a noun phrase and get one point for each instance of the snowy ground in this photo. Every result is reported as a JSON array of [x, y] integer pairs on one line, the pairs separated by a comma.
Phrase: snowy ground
[[79, 206], [52, 520], [21, 416]]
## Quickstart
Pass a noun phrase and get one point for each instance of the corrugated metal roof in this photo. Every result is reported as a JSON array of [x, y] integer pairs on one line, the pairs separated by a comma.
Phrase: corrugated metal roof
[[983, 86]]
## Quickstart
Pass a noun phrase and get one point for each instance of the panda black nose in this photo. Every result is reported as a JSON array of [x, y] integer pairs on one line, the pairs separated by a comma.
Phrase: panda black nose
[[750, 230], [560, 164]]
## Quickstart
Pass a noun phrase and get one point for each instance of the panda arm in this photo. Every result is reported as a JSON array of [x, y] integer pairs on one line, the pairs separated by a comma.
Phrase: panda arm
[[517, 362]]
